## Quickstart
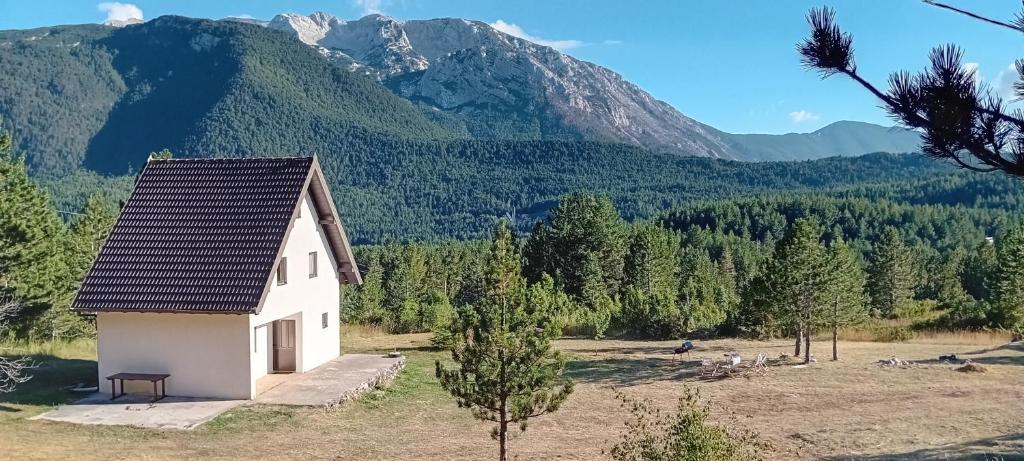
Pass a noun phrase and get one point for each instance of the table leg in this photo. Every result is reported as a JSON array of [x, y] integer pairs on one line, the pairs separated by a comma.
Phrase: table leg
[[155, 394], [113, 390]]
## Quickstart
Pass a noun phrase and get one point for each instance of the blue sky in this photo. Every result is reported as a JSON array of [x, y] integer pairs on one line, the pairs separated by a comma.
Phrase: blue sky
[[730, 65]]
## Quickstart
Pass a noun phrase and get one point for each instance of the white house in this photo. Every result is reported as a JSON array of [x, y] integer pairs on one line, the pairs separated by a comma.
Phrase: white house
[[219, 272]]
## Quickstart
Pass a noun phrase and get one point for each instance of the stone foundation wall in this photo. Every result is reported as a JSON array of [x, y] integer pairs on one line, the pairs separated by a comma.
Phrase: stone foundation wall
[[385, 377]]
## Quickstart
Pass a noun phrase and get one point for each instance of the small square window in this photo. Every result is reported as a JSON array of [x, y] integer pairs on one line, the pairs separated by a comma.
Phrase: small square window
[[312, 264], [323, 320], [282, 272]]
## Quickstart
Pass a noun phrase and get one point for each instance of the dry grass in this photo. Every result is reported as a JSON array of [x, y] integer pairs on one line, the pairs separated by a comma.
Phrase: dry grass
[[879, 331], [846, 409], [967, 337], [351, 331], [74, 349]]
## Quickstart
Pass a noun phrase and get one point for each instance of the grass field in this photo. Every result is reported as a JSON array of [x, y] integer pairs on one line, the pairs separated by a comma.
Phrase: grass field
[[831, 410]]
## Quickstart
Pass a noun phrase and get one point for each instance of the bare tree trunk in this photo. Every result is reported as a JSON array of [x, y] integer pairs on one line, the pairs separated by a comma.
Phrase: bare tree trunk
[[502, 434], [807, 346], [799, 339], [835, 339], [835, 329]]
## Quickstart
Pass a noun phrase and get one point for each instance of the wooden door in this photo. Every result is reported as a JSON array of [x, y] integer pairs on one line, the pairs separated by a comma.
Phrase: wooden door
[[284, 346]]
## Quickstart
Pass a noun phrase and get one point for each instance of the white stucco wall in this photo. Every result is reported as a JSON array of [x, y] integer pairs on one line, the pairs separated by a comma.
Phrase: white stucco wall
[[302, 298], [205, 354], [222, 355]]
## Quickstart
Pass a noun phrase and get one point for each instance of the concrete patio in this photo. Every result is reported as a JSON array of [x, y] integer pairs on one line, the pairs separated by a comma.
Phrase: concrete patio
[[334, 382], [137, 410]]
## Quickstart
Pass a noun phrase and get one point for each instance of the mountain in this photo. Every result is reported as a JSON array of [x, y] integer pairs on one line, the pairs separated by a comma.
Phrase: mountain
[[104, 97], [500, 86], [841, 138], [505, 87], [88, 103]]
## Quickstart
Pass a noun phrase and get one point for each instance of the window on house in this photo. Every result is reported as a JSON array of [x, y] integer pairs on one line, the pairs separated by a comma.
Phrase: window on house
[[323, 320], [282, 272], [312, 264]]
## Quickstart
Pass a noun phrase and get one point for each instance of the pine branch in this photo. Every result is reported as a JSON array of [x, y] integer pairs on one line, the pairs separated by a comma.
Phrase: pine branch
[[1017, 25]]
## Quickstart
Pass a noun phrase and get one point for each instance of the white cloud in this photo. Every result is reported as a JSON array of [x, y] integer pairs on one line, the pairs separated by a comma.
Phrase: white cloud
[[972, 68], [370, 6], [801, 116], [242, 16], [612, 42], [516, 31], [1003, 83], [120, 11]]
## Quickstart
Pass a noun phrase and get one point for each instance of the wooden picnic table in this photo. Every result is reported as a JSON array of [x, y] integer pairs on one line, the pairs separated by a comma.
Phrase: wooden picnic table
[[151, 377]]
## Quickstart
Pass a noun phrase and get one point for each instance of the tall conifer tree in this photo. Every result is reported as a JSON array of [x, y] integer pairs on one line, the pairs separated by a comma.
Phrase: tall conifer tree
[[845, 293], [507, 371], [890, 281], [796, 281]]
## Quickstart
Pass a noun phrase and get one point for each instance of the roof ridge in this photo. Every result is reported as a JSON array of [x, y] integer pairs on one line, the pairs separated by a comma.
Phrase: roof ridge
[[215, 159]]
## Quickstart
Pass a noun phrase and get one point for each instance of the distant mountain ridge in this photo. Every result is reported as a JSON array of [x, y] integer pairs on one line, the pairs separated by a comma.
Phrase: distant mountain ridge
[[844, 138], [470, 69], [503, 84], [103, 97]]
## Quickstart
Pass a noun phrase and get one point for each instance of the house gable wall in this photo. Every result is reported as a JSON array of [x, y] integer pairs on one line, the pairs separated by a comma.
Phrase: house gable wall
[[302, 298]]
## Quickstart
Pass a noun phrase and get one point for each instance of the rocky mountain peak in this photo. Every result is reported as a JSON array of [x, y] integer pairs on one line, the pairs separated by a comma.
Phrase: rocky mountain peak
[[123, 22], [471, 69]]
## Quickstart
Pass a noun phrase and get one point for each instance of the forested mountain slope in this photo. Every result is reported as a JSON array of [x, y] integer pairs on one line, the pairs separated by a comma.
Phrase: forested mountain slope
[[409, 190], [105, 97]]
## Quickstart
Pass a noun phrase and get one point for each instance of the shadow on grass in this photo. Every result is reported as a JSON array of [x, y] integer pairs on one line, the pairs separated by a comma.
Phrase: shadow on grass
[[986, 360], [49, 380], [627, 371], [403, 349], [646, 348], [1019, 347], [1005, 447]]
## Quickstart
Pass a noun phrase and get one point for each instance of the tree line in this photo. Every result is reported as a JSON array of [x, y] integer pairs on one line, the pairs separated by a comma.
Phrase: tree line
[[43, 258], [785, 266]]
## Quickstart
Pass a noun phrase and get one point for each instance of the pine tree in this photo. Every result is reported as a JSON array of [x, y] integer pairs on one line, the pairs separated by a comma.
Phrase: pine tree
[[651, 278], [370, 300], [980, 269], [701, 299], [539, 256], [507, 371], [796, 281], [33, 263], [582, 229], [890, 281], [88, 233], [1008, 287], [404, 289], [947, 274], [597, 306], [845, 291]]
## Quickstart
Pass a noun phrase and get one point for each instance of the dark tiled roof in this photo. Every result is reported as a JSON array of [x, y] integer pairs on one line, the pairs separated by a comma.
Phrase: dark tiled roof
[[197, 235]]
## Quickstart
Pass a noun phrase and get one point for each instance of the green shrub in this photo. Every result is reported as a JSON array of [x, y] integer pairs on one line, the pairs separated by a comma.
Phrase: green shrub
[[892, 333], [917, 310], [652, 435]]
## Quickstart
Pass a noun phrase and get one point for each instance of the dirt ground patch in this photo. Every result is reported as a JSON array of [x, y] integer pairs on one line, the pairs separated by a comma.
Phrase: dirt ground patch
[[850, 409]]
